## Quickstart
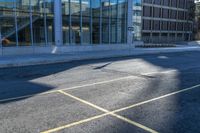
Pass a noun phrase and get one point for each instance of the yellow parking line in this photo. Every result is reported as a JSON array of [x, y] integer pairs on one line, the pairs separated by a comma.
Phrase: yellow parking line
[[134, 123], [83, 101], [27, 96], [118, 110], [98, 83], [75, 123], [96, 117], [158, 98], [113, 80], [70, 88], [80, 86]]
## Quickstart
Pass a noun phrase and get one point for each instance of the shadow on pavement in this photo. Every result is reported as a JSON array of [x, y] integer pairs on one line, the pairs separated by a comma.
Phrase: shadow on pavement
[[16, 82], [187, 74]]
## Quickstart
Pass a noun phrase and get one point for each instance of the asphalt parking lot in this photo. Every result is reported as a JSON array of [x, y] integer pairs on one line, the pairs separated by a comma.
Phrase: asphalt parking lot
[[139, 94]]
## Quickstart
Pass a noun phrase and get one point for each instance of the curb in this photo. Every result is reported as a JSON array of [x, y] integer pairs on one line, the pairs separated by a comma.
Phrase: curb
[[78, 57]]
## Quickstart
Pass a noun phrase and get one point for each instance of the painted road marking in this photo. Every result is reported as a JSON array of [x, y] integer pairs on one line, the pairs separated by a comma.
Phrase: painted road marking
[[99, 83], [75, 123], [121, 109], [27, 96], [83, 101], [81, 86], [99, 116], [70, 88], [164, 72], [158, 98]]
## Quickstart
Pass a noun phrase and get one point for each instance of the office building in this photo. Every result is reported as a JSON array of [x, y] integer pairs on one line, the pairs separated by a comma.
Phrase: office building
[[166, 21], [48, 26]]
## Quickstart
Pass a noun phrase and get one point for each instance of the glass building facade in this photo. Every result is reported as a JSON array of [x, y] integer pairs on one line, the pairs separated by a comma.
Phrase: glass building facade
[[137, 20], [26, 22], [83, 22], [93, 22], [197, 20]]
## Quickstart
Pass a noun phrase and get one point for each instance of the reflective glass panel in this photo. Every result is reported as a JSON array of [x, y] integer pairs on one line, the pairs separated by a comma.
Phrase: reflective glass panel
[[66, 21], [105, 21], [96, 10], [38, 22], [122, 20], [113, 24], [49, 9], [137, 19], [75, 20], [7, 23], [86, 22], [23, 23]]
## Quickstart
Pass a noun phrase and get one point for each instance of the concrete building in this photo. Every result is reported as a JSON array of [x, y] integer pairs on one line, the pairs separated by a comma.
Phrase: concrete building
[[50, 26], [167, 21], [197, 20]]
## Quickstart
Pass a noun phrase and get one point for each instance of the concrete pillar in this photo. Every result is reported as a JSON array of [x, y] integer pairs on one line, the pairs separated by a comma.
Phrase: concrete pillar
[[58, 22], [130, 22]]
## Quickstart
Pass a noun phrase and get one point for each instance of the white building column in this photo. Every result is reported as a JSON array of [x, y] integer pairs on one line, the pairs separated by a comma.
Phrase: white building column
[[58, 22], [130, 22]]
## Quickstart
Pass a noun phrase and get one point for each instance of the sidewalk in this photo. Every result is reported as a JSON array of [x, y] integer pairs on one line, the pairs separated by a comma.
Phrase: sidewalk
[[26, 60]]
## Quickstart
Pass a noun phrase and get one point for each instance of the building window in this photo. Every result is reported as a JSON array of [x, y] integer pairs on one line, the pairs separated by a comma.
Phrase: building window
[[137, 19], [7, 24], [96, 21], [49, 9], [181, 4], [38, 19], [156, 12], [23, 23], [86, 22], [165, 13], [121, 21], [180, 26], [147, 24], [31, 22], [181, 15], [157, 2], [105, 21], [75, 10], [147, 1], [156, 25], [173, 14], [66, 21], [164, 25], [172, 26], [113, 20], [174, 3], [147, 11], [166, 2]]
